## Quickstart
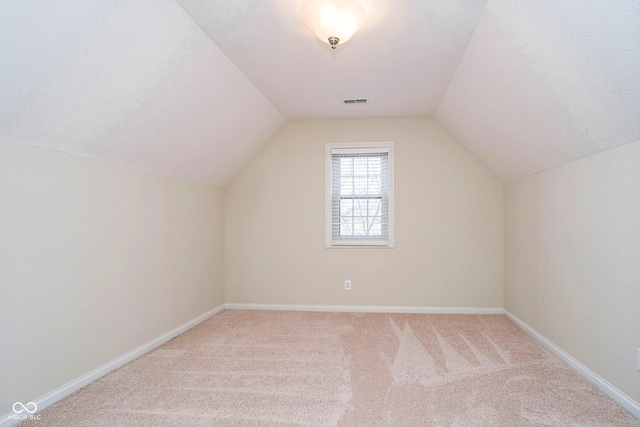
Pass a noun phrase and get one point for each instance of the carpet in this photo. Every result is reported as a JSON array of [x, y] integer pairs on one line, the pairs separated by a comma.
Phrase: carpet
[[279, 368]]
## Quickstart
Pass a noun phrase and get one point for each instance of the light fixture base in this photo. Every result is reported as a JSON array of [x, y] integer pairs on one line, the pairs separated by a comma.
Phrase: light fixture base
[[333, 41]]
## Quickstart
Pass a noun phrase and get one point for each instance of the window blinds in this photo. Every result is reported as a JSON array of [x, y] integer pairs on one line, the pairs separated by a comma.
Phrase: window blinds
[[359, 194]]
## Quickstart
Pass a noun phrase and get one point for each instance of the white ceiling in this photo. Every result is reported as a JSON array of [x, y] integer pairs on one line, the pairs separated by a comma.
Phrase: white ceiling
[[543, 83], [525, 85], [132, 82], [402, 61]]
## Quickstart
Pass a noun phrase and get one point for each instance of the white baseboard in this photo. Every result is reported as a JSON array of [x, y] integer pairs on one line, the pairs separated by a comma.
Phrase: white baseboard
[[365, 308], [65, 390], [625, 401]]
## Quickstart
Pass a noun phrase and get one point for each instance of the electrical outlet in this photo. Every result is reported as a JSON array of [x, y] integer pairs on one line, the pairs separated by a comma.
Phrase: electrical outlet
[[347, 285]]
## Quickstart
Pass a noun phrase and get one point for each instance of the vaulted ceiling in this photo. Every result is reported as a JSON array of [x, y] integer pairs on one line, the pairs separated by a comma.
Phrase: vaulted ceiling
[[133, 82], [193, 88]]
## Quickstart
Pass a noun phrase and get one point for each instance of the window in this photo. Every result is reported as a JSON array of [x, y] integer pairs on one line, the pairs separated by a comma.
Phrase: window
[[359, 194]]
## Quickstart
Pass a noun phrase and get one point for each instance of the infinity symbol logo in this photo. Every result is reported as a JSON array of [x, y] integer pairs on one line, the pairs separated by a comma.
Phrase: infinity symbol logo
[[22, 408]]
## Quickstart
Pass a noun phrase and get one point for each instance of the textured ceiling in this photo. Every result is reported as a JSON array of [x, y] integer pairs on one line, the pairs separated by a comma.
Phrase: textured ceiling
[[132, 82], [543, 83], [402, 61], [193, 88]]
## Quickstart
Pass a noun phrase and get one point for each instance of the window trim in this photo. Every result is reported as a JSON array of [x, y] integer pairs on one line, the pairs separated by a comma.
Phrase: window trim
[[361, 148]]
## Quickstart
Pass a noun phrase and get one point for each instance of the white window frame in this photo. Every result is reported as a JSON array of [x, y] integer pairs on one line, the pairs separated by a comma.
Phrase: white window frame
[[358, 147]]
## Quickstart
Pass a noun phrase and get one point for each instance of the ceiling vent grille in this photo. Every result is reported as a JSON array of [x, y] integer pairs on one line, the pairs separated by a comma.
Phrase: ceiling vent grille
[[356, 101]]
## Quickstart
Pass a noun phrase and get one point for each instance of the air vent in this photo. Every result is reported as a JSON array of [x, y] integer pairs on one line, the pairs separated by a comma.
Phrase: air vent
[[356, 101]]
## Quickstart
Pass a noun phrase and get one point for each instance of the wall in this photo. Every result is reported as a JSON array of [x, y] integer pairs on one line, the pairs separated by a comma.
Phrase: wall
[[572, 266], [96, 259], [448, 231]]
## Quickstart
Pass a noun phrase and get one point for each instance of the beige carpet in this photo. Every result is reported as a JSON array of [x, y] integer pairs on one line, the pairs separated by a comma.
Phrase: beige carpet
[[259, 368]]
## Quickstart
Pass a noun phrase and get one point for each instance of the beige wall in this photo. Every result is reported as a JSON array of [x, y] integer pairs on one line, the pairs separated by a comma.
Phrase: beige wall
[[572, 266], [95, 260], [448, 230]]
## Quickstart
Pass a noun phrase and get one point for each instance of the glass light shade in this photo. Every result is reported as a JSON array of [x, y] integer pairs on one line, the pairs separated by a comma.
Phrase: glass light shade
[[333, 18]]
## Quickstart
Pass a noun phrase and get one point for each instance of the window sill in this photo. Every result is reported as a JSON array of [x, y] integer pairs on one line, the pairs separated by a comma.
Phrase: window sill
[[352, 244]]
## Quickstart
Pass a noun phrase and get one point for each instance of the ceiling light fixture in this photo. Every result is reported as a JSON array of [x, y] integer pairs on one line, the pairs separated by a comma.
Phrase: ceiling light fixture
[[333, 21]]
